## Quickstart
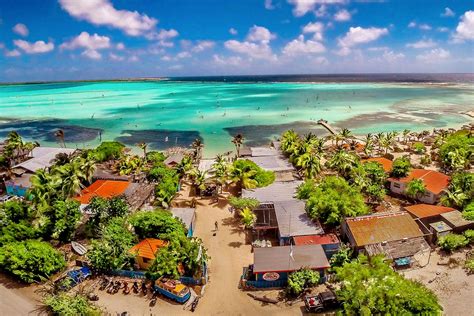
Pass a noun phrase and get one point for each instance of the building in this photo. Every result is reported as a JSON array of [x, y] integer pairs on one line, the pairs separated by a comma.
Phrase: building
[[272, 266], [174, 159], [41, 158], [386, 163], [458, 223], [394, 234], [188, 216], [435, 182], [281, 215], [272, 159], [145, 251], [329, 242], [427, 213], [136, 194]]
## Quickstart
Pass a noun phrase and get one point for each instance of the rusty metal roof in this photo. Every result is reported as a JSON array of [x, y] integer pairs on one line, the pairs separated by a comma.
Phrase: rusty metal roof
[[382, 227], [427, 210]]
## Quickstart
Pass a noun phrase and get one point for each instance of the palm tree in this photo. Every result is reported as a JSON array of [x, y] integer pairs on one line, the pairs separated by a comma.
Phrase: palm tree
[[197, 145], [184, 166], [238, 140], [406, 133], [248, 217], [288, 138], [310, 165], [342, 162], [60, 136], [199, 179], [346, 134], [243, 177]]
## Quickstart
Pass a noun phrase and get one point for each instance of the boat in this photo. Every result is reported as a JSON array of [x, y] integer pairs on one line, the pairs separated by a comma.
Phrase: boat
[[173, 289], [78, 248]]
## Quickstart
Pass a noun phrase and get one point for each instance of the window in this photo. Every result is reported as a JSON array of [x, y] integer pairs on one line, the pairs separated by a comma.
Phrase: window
[[396, 185], [146, 260]]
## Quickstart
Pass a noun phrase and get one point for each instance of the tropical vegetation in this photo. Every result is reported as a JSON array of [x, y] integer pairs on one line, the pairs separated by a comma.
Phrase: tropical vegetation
[[301, 280]]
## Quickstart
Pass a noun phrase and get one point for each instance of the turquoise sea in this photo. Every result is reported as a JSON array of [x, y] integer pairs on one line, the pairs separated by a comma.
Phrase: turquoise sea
[[170, 113]]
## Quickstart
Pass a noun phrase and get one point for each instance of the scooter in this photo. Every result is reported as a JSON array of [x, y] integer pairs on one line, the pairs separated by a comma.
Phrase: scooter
[[154, 298], [135, 287], [111, 287], [103, 285], [117, 287], [194, 304], [126, 288]]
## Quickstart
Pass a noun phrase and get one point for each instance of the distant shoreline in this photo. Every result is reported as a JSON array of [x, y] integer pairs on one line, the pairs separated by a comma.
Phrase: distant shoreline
[[394, 78]]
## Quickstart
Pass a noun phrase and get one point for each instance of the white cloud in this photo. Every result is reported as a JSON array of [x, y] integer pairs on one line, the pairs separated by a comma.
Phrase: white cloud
[[202, 46], [87, 41], [91, 54], [120, 46], [342, 16], [391, 56], [260, 34], [301, 46], [115, 57], [21, 29], [133, 58], [37, 47], [322, 11], [434, 55], [412, 24], [424, 43], [301, 7], [447, 13], [102, 12], [233, 31], [424, 27], [12, 53], [269, 5], [377, 49], [183, 55], [465, 28], [254, 50], [162, 35], [316, 28], [175, 67], [166, 58], [227, 61], [442, 29], [359, 35]]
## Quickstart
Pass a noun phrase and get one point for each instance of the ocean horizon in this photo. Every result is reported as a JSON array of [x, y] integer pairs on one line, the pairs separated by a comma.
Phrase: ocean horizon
[[175, 111]]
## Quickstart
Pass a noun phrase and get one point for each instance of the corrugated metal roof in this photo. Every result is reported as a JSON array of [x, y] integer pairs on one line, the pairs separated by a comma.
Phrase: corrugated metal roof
[[147, 248], [42, 157], [272, 163], [427, 210], [381, 227], [278, 259], [277, 191], [186, 214], [455, 219], [434, 181], [293, 220], [316, 240]]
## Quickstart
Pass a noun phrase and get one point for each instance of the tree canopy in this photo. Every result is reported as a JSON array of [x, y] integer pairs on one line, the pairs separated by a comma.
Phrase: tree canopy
[[456, 151], [333, 199], [156, 224], [401, 167], [371, 287], [249, 175]]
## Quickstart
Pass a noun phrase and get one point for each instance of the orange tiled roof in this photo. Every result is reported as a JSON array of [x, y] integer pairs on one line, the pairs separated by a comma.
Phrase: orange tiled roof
[[102, 188], [377, 228], [427, 210], [148, 247], [316, 239], [386, 163], [434, 181]]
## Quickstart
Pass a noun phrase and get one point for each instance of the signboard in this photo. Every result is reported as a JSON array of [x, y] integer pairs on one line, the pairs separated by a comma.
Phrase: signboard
[[271, 276]]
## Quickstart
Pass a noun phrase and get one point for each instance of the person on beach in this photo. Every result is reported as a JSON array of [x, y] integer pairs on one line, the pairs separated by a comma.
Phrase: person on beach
[[216, 225]]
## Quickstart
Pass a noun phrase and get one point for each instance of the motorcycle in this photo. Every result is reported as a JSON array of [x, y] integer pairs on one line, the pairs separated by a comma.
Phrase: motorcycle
[[144, 288], [135, 287], [103, 285], [117, 287], [93, 297], [154, 298], [126, 288], [194, 304], [111, 287]]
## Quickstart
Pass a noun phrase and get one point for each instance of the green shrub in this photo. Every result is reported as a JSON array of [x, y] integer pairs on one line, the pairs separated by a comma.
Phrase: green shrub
[[401, 167], [452, 242], [419, 148], [65, 305], [302, 279], [241, 203], [107, 151], [304, 190], [456, 150], [31, 260], [17, 232], [469, 265], [156, 224], [469, 234], [425, 160]]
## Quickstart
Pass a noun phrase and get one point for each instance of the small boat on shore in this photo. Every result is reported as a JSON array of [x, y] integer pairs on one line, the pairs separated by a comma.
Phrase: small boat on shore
[[78, 248], [173, 289]]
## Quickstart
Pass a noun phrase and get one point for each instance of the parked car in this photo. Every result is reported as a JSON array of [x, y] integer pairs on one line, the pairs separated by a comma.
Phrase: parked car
[[322, 301], [5, 198]]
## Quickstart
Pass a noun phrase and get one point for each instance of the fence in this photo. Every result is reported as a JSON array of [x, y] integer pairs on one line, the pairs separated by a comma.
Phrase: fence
[[129, 274]]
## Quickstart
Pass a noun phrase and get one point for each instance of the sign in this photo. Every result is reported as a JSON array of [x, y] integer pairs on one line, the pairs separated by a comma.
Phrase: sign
[[271, 276]]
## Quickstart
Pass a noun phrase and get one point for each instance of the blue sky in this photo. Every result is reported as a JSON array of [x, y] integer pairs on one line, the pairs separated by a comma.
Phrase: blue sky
[[99, 39]]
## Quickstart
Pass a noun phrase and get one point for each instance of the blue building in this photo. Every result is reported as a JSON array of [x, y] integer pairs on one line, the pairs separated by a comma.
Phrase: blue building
[[188, 216]]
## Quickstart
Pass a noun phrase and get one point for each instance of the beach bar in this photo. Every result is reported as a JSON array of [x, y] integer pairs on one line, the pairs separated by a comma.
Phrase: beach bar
[[273, 265]]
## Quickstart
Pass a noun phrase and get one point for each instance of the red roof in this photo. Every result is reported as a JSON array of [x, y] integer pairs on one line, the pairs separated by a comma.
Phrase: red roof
[[102, 188], [148, 247], [434, 181], [315, 240], [386, 163], [427, 210]]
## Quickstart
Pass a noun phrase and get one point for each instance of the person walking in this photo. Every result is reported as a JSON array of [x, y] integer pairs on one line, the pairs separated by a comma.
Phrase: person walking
[[216, 225]]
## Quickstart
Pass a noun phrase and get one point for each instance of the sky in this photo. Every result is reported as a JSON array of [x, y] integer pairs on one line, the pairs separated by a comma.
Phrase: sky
[[105, 39]]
